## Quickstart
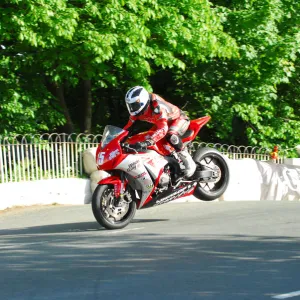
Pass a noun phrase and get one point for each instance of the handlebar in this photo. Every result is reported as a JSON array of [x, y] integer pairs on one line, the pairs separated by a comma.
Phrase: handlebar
[[127, 148], [132, 148]]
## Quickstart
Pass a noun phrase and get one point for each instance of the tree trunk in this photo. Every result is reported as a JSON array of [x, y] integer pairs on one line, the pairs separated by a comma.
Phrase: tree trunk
[[69, 127], [87, 106], [57, 90]]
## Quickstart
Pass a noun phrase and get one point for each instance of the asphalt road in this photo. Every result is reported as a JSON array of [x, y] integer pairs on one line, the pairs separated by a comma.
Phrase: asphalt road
[[216, 250]]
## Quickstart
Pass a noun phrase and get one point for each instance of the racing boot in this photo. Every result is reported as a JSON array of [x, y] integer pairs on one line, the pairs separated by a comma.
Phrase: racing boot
[[190, 165]]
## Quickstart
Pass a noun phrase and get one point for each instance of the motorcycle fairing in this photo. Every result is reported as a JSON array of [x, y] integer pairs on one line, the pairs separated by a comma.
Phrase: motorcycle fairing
[[135, 166], [153, 162], [104, 158]]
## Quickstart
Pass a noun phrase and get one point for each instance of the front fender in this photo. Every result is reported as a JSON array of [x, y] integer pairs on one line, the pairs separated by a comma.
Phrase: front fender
[[110, 180]]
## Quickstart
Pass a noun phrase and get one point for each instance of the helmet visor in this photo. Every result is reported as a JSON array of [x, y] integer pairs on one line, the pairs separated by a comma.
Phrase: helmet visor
[[134, 107]]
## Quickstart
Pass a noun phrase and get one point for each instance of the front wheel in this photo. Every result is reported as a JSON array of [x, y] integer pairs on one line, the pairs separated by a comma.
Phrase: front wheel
[[110, 213], [211, 188]]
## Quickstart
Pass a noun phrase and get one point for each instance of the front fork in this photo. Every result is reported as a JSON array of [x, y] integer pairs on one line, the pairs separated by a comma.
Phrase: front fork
[[119, 182], [120, 189]]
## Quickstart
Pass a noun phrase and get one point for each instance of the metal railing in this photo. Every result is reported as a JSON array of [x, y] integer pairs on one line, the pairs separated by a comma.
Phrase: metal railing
[[48, 156], [240, 152]]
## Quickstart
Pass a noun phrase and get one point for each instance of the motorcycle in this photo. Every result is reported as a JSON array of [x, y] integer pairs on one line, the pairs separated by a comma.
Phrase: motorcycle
[[143, 178]]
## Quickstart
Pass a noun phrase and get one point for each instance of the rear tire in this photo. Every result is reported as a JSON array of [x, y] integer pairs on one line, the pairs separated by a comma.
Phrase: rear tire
[[102, 198], [211, 158]]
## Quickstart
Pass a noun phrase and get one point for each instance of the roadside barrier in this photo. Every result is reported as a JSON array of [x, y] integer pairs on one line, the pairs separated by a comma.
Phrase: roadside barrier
[[257, 180], [250, 179]]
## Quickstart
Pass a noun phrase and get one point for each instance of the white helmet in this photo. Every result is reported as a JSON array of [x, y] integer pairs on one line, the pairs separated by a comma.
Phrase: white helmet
[[137, 100]]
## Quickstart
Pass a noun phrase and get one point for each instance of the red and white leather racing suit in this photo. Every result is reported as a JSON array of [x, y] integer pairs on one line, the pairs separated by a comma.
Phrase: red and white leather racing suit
[[168, 119]]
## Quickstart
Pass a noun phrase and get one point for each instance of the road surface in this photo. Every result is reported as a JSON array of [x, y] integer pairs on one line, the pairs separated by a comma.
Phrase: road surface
[[216, 250]]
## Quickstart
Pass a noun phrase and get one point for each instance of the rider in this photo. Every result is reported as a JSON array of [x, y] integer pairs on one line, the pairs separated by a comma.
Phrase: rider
[[169, 121]]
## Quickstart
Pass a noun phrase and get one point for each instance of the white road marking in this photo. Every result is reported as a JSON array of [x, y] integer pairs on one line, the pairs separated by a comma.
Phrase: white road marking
[[287, 295]]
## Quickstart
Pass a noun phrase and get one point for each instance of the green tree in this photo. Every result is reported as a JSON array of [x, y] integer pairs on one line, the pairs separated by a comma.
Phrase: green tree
[[101, 44], [26, 28], [246, 96]]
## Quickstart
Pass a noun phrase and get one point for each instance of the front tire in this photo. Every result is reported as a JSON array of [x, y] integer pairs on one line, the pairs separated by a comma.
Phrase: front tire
[[106, 213], [211, 159]]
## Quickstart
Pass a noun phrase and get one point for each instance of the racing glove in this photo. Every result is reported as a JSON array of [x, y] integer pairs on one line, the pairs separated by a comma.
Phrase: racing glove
[[143, 145]]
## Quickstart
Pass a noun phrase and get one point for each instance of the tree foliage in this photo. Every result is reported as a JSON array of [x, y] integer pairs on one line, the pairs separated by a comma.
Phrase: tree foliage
[[62, 43], [69, 62], [250, 97]]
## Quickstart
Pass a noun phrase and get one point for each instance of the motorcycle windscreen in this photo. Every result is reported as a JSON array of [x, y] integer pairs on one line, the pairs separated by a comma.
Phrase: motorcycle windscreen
[[109, 134]]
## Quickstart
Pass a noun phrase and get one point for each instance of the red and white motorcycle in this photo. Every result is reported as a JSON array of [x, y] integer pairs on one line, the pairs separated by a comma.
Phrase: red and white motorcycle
[[142, 178]]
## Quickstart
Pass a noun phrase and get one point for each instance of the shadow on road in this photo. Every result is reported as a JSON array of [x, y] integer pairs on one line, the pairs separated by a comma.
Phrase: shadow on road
[[67, 227], [83, 263]]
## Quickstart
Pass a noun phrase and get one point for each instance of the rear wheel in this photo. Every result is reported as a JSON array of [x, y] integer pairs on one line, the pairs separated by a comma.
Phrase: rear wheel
[[211, 188], [110, 213]]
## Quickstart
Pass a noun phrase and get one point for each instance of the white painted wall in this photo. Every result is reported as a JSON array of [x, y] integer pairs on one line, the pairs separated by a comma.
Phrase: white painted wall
[[61, 191], [256, 180], [292, 161]]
